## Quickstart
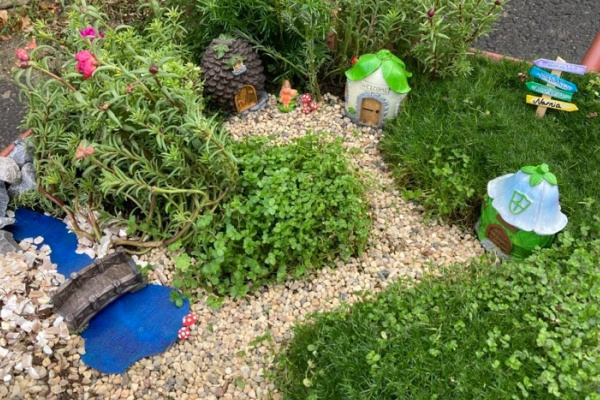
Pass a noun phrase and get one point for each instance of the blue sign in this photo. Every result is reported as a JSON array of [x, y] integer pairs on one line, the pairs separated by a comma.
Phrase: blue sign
[[553, 79]]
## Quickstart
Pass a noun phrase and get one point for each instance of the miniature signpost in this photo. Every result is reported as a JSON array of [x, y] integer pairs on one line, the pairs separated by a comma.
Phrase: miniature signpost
[[555, 85]]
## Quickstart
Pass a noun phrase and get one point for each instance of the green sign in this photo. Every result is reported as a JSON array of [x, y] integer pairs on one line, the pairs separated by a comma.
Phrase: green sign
[[543, 89]]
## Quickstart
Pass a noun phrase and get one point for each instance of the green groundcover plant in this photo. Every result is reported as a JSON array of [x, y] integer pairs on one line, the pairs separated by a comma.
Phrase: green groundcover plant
[[118, 128], [456, 135], [298, 206], [523, 330]]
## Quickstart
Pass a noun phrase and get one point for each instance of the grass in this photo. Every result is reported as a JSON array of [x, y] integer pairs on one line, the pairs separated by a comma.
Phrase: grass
[[522, 330], [457, 134]]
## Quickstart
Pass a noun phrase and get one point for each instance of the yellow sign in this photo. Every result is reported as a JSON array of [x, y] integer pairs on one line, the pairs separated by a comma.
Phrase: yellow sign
[[550, 103]]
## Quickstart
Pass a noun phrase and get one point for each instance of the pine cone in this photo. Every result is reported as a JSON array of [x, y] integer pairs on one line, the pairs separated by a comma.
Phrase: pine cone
[[219, 80]]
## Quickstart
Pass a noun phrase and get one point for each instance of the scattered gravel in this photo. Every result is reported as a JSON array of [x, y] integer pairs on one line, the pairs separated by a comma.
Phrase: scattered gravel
[[231, 349]]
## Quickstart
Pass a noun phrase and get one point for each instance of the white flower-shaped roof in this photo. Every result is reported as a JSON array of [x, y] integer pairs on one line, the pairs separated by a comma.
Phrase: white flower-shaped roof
[[528, 199]]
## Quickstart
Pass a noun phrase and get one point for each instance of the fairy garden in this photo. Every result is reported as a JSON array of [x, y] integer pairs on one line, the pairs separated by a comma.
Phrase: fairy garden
[[297, 199]]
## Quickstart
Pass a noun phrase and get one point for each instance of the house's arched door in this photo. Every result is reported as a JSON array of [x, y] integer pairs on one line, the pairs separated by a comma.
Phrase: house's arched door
[[370, 111], [496, 235], [245, 98]]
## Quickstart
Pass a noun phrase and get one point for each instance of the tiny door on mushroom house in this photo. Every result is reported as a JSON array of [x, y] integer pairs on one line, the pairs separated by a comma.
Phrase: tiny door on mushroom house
[[497, 236], [370, 111], [245, 98]]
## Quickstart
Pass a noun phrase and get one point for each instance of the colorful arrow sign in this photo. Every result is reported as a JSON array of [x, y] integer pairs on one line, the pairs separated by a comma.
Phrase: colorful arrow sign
[[554, 104], [561, 66], [543, 89], [553, 79]]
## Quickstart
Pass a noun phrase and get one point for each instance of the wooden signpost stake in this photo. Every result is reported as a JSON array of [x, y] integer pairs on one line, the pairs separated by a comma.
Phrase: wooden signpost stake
[[541, 110], [555, 85]]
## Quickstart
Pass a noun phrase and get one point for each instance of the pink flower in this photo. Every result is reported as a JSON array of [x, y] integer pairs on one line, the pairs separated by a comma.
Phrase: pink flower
[[22, 54], [83, 152], [91, 31], [86, 64], [31, 45]]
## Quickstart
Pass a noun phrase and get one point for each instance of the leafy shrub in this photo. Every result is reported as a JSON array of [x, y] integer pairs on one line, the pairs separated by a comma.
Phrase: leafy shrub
[[298, 206], [452, 138], [515, 331], [118, 127], [307, 39], [436, 34], [291, 33]]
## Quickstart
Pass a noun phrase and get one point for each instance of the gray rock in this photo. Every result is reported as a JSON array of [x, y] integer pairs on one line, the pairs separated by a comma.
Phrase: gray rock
[[22, 153], [3, 199], [4, 221], [9, 170], [7, 243], [27, 181]]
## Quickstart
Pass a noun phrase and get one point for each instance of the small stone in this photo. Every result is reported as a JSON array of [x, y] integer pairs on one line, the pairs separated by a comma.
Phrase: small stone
[[5, 221], [9, 170], [7, 243], [22, 153], [27, 181], [4, 199]]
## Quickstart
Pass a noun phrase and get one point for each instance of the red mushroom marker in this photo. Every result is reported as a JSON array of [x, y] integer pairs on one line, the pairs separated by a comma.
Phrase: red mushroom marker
[[184, 333], [189, 320], [306, 98], [306, 109], [314, 106]]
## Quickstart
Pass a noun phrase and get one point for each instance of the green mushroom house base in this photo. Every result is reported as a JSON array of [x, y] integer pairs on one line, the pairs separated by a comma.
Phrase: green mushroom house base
[[504, 239]]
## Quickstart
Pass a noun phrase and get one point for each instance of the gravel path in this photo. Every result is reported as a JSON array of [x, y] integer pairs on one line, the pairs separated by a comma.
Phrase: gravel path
[[231, 349]]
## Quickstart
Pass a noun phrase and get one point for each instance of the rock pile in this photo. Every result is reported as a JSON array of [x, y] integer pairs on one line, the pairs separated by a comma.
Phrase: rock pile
[[31, 333], [17, 176]]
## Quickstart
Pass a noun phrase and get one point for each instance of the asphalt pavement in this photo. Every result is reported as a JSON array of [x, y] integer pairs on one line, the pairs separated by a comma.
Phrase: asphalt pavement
[[529, 29], [532, 29]]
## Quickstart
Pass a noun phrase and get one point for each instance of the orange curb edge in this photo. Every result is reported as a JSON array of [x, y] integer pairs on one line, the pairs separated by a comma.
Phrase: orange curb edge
[[592, 58]]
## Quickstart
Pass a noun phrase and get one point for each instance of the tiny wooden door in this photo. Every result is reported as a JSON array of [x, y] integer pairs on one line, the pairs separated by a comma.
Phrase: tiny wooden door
[[370, 111], [497, 236], [245, 98]]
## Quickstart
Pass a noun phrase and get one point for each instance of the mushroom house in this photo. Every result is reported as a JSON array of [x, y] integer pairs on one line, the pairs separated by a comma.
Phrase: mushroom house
[[521, 212], [377, 86]]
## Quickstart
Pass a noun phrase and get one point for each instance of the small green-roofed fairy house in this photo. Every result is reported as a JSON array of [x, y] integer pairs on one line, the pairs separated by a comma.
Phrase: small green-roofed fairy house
[[521, 212], [376, 87]]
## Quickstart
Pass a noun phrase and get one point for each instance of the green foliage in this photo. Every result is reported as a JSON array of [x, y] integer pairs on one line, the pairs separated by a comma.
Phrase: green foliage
[[291, 33], [439, 43], [526, 330], [310, 39], [453, 137], [298, 206], [151, 158]]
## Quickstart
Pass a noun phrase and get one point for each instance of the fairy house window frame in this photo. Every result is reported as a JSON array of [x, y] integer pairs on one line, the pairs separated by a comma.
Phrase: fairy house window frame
[[377, 86]]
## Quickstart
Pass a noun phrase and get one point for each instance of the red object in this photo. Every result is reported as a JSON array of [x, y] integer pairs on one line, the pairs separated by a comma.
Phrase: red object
[[189, 320], [306, 109], [354, 60], [431, 13], [592, 57], [314, 106], [306, 98], [184, 333], [22, 54], [86, 63]]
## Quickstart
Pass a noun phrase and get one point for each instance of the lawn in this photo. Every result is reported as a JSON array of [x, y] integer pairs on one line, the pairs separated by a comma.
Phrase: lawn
[[457, 134], [521, 330]]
